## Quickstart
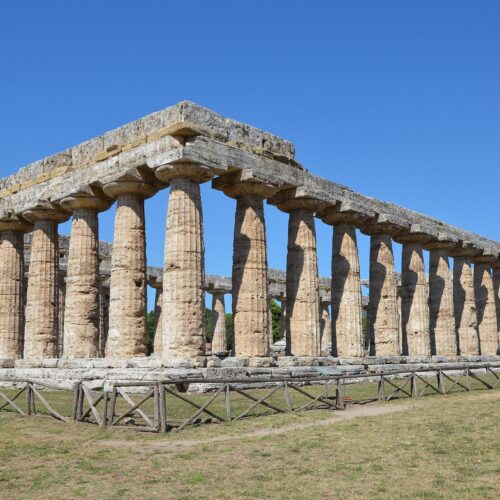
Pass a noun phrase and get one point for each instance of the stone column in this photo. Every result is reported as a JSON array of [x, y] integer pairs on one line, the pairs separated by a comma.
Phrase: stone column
[[183, 327], [441, 309], [383, 316], [158, 318], [302, 281], [283, 320], [127, 334], [485, 305], [347, 330], [12, 231], [42, 315], [414, 293], [325, 328], [249, 276], [219, 340], [61, 286], [464, 302], [496, 288], [103, 314], [81, 318]]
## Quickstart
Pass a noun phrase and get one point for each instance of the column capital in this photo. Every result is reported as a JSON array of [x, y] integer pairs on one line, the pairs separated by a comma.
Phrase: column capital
[[388, 224], [44, 210], [134, 181], [185, 170], [486, 255], [247, 183], [464, 250], [417, 233], [85, 197], [496, 263], [346, 213], [443, 241], [12, 222], [298, 198]]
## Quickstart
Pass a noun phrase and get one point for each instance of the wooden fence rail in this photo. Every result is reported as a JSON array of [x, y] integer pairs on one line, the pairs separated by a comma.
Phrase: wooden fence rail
[[155, 406]]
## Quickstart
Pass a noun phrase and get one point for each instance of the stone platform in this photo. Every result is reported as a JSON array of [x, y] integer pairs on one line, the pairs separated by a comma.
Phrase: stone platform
[[100, 372]]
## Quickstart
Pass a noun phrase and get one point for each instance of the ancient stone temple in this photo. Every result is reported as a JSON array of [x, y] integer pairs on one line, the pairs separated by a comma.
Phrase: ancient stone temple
[[79, 298]]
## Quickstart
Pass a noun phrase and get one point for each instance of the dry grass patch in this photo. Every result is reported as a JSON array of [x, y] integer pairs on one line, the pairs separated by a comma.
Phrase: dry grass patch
[[436, 447]]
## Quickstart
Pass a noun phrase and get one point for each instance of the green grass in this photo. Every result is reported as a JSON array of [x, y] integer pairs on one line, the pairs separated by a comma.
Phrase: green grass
[[434, 447]]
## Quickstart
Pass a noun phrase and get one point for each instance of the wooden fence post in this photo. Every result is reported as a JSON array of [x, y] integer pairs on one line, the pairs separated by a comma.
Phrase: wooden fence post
[[163, 408], [381, 389]]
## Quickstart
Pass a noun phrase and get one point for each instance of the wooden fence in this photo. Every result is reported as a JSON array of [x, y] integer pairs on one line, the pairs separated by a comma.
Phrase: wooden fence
[[165, 405]]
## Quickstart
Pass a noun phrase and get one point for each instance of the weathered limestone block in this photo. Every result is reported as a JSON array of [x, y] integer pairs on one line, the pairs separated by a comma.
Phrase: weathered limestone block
[[183, 309], [42, 320], [465, 307], [486, 308], [249, 276], [414, 302], [219, 342], [127, 336], [12, 287], [346, 294], [441, 309], [81, 314], [383, 306], [325, 328], [158, 319]]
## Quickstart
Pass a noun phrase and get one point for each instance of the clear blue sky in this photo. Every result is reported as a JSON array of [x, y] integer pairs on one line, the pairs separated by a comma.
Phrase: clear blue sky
[[398, 100]]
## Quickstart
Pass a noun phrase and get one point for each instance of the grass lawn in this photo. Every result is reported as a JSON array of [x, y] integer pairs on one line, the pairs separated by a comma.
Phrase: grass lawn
[[434, 447]]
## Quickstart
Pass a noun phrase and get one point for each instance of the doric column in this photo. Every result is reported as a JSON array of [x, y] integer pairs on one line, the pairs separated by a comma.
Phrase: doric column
[[81, 317], [12, 231], [158, 317], [283, 320], [103, 314], [464, 299], [42, 315], [219, 340], [496, 289], [485, 303], [325, 326], [183, 320], [441, 308], [61, 287], [383, 313], [414, 292], [127, 335], [347, 330], [249, 276], [302, 287]]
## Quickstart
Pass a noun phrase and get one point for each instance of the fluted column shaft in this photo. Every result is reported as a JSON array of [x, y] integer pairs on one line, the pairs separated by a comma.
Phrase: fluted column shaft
[[302, 288], [283, 320], [414, 302], [249, 277], [183, 331], [441, 309], [158, 320], [496, 288], [325, 328], [465, 307], [42, 322], [347, 332], [127, 302], [11, 293], [81, 318], [383, 307], [486, 309], [219, 342]]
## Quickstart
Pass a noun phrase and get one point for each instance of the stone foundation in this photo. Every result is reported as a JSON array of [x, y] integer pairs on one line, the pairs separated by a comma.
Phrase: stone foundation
[[99, 372]]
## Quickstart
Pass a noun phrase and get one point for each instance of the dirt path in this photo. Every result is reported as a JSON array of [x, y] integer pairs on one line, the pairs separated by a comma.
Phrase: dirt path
[[181, 445]]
